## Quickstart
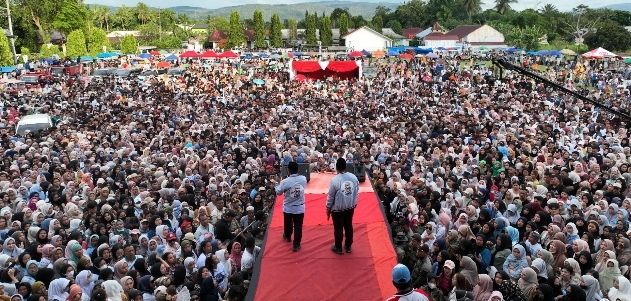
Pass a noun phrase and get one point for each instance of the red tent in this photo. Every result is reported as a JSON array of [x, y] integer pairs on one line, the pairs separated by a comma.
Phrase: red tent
[[356, 54], [228, 55], [155, 53], [163, 64], [189, 54], [406, 56], [208, 54]]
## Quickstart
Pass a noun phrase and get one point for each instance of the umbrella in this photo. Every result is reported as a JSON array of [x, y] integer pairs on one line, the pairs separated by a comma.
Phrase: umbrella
[[378, 54], [406, 56], [163, 64], [258, 82], [627, 60], [568, 52], [145, 55], [189, 54], [86, 58], [228, 54], [365, 52], [356, 54], [155, 53], [275, 56], [106, 55], [263, 55], [432, 55], [7, 69], [171, 57]]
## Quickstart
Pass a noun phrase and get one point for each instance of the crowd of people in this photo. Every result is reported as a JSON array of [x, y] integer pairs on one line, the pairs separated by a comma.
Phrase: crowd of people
[[159, 188]]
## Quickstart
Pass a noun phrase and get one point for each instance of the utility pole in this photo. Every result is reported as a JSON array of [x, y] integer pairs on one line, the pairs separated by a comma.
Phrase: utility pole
[[11, 33], [160, 22]]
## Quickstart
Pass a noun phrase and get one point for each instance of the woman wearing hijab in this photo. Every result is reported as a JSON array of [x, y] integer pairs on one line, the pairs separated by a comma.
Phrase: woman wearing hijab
[[528, 282], [73, 252], [75, 293], [113, 290], [500, 225], [58, 289], [513, 233], [85, 279], [591, 287], [515, 262], [575, 293], [496, 296], [31, 272], [609, 274], [624, 251], [511, 292], [482, 291], [145, 285], [120, 269], [429, 234], [557, 248], [503, 249], [11, 249], [469, 270], [540, 267], [585, 261], [548, 258], [621, 290], [235, 257]]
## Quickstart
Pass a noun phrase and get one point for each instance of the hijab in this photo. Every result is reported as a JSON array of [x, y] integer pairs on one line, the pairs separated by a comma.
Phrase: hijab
[[482, 291], [528, 282], [144, 284], [469, 270], [559, 254], [85, 280], [57, 289], [607, 276], [113, 290], [541, 267], [592, 287], [624, 256], [12, 253], [511, 292], [513, 233], [74, 291], [236, 257], [623, 292], [576, 294]]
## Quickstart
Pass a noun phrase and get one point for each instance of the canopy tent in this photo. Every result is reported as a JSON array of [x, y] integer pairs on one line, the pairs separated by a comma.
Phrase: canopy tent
[[86, 58], [366, 52], [228, 55], [548, 53], [106, 55], [406, 56], [263, 55], [155, 53], [321, 70], [171, 57], [511, 50], [7, 69], [599, 53], [163, 64], [189, 54], [208, 54], [356, 54], [378, 54], [145, 55], [421, 50], [432, 55], [627, 60], [568, 52]]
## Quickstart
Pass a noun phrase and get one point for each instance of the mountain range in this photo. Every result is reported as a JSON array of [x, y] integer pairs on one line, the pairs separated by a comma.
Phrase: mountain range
[[284, 11], [620, 6]]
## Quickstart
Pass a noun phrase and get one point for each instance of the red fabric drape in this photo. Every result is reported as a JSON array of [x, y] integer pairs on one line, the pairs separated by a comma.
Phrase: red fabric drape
[[342, 66], [306, 66]]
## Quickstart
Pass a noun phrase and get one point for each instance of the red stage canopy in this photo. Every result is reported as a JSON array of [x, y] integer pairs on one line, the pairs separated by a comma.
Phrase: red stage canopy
[[342, 66], [406, 56], [306, 66], [356, 54], [189, 54], [228, 55], [209, 54]]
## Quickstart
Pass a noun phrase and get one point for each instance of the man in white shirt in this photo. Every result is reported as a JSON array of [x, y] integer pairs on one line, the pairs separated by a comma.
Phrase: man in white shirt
[[248, 259]]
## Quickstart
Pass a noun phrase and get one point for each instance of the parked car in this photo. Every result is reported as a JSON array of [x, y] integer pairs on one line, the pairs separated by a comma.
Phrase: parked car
[[33, 123]]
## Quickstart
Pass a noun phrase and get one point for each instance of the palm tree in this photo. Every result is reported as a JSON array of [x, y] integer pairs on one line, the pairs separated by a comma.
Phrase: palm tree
[[143, 13], [502, 6], [549, 10], [472, 7], [102, 17]]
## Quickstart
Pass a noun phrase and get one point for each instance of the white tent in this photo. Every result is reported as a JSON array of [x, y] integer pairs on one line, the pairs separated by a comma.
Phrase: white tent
[[599, 53]]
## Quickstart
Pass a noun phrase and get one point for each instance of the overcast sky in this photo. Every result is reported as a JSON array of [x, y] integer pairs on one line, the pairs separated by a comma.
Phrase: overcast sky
[[521, 4]]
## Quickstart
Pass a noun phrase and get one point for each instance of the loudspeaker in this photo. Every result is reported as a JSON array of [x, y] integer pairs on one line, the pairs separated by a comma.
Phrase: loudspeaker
[[303, 169], [359, 170]]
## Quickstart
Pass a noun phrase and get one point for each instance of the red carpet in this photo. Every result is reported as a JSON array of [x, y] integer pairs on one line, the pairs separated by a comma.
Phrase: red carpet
[[316, 273]]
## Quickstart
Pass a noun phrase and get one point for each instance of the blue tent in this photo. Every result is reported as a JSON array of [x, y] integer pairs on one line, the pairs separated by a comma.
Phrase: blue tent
[[87, 58], [106, 55], [420, 50], [263, 55], [7, 69], [532, 53], [171, 57], [441, 48], [511, 50], [145, 55]]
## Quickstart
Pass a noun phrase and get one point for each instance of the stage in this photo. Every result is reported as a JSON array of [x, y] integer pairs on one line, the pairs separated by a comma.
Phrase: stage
[[315, 272]]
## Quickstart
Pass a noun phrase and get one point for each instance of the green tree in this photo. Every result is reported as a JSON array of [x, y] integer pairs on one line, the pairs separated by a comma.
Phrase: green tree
[[143, 13], [503, 6], [377, 23], [343, 24], [310, 30], [129, 44], [75, 46], [259, 29], [96, 39], [611, 36], [39, 13], [236, 37], [48, 50], [472, 7], [217, 23], [276, 34], [101, 16], [292, 26], [412, 13], [357, 21], [326, 32], [6, 55], [395, 26], [72, 16], [124, 18]]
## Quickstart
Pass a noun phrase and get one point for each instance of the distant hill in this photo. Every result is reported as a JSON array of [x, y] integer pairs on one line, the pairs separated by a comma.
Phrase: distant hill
[[620, 6], [285, 11]]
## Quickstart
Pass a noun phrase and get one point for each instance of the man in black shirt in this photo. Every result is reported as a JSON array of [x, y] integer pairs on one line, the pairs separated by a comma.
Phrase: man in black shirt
[[222, 228]]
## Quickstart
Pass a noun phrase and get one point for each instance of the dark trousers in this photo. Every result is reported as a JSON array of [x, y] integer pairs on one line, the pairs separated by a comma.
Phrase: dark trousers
[[343, 224], [293, 223]]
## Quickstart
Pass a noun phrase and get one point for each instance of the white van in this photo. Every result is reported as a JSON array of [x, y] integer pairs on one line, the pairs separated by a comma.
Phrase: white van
[[33, 123]]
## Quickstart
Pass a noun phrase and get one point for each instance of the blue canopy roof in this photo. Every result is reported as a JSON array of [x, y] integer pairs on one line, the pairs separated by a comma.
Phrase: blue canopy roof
[[87, 58], [7, 69], [106, 55], [365, 52], [145, 55], [421, 50], [171, 57], [263, 54]]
